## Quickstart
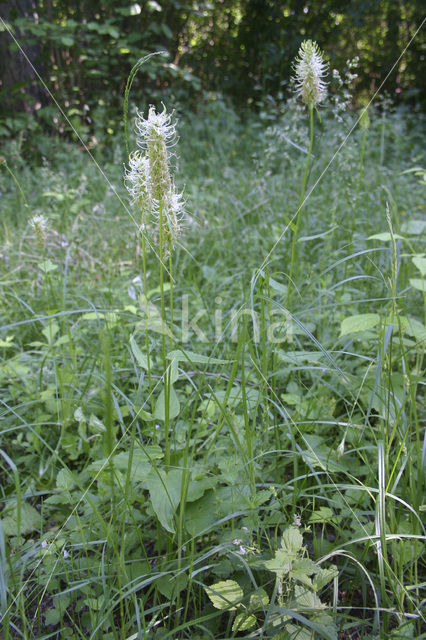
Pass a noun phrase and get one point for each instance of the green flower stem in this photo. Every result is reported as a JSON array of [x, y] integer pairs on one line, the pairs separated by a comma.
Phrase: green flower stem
[[299, 211], [148, 357], [166, 374]]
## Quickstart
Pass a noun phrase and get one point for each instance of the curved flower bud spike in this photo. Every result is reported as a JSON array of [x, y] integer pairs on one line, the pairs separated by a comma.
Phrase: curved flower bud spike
[[310, 69]]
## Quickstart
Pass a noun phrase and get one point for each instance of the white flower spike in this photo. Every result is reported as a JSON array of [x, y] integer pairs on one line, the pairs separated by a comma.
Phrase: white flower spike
[[40, 224], [310, 69], [148, 179]]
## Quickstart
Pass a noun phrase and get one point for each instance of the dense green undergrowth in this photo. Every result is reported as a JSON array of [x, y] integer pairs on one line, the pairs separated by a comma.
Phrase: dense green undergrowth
[[290, 504]]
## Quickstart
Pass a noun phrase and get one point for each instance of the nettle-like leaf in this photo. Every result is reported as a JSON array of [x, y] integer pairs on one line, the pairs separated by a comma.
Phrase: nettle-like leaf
[[292, 541], [280, 563], [306, 600], [243, 621], [321, 515], [327, 625], [258, 600], [225, 594], [324, 576], [302, 569], [321, 622], [30, 519], [291, 545]]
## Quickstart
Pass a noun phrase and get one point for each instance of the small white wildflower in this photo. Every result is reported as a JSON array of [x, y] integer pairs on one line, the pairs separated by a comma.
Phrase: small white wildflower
[[243, 550], [310, 69], [65, 554], [40, 225], [297, 520], [44, 544], [236, 542]]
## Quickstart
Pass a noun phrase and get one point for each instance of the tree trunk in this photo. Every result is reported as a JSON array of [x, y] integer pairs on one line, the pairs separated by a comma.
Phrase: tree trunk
[[19, 88]]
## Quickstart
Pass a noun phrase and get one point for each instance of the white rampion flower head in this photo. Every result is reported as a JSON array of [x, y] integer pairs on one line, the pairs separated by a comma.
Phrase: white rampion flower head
[[310, 69], [40, 225], [148, 179], [155, 126]]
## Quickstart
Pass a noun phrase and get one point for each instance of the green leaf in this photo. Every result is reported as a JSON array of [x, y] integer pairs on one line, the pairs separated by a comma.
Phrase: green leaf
[[360, 322], [278, 286], [30, 519], [141, 358], [50, 332], [65, 480], [416, 329], [385, 237], [164, 491], [414, 227], [225, 593], [67, 41], [306, 600], [244, 621], [197, 488], [327, 625], [201, 514], [171, 586], [280, 563], [321, 515], [8, 342], [167, 31], [302, 569], [110, 316], [291, 545], [259, 600], [292, 541], [420, 263], [160, 405], [419, 284], [173, 371], [194, 358], [324, 576], [47, 266], [317, 235]]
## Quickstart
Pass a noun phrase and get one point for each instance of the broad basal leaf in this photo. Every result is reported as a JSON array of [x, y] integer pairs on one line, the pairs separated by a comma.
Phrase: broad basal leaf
[[164, 491], [224, 594], [173, 405], [360, 322]]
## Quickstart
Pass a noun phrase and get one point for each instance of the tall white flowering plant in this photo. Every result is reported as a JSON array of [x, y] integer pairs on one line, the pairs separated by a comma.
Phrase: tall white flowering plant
[[309, 73], [153, 193]]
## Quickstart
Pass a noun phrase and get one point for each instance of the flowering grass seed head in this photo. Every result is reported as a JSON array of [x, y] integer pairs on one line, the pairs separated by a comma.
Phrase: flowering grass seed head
[[309, 71]]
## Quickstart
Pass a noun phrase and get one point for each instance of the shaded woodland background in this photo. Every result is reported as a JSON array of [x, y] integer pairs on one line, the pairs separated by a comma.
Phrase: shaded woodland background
[[240, 50]]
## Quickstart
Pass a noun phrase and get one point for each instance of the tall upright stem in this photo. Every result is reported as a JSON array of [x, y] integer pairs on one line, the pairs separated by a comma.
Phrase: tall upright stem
[[299, 210], [163, 341], [145, 287]]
